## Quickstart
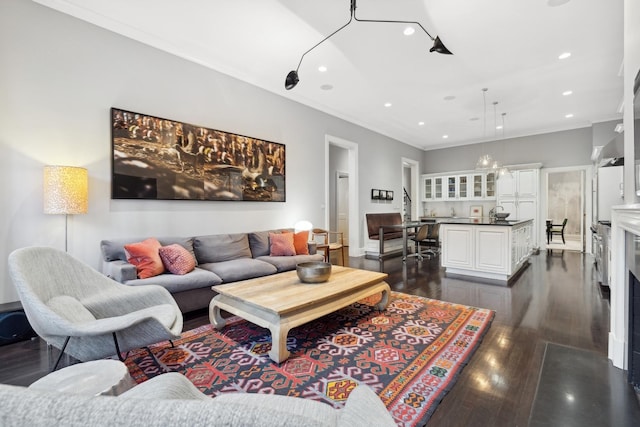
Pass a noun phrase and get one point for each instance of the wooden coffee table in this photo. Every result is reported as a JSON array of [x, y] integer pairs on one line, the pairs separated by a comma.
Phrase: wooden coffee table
[[281, 302]]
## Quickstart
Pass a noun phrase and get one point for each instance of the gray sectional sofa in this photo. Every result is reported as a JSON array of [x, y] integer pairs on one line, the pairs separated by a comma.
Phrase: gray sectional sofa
[[220, 258]]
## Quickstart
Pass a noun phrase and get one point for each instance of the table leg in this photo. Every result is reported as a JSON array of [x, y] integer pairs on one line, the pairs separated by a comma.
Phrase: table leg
[[279, 352], [384, 302], [404, 244], [214, 315]]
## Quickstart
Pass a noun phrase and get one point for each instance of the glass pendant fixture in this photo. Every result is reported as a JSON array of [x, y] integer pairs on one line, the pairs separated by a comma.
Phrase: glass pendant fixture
[[485, 161]]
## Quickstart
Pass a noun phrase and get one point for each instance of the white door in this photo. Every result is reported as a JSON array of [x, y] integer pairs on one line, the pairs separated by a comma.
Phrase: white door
[[342, 205]]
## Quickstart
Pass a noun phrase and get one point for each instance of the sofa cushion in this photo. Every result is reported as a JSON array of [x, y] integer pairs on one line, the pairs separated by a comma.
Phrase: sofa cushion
[[281, 244], [177, 259], [240, 269], [286, 263], [198, 278], [221, 247], [146, 257], [259, 243], [113, 250]]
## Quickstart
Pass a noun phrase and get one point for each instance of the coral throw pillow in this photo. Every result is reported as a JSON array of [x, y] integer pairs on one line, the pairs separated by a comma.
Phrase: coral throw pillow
[[177, 259], [300, 242], [282, 244], [146, 257]]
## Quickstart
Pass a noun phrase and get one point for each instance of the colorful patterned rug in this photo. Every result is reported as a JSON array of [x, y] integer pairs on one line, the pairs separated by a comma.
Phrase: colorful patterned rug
[[410, 354]]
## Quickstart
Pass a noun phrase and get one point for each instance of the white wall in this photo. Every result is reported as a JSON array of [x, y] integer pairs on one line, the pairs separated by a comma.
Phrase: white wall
[[556, 149], [60, 76]]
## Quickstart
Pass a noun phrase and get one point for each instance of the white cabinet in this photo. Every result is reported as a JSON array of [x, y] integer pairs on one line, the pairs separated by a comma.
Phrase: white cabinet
[[463, 187], [490, 185], [427, 188], [437, 188], [488, 251], [459, 249], [517, 193], [478, 185], [459, 186], [452, 187], [432, 188]]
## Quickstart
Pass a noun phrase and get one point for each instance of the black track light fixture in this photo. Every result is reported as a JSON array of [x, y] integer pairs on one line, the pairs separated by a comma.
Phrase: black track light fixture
[[292, 78]]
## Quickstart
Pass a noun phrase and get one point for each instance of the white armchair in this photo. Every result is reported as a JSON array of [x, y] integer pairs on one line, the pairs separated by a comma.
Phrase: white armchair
[[86, 314]]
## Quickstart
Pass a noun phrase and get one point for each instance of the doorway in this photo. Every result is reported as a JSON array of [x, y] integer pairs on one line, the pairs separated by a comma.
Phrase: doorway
[[565, 199], [342, 205], [342, 160], [411, 208]]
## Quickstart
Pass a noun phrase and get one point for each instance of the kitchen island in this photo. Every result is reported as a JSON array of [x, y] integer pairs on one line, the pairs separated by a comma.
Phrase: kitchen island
[[489, 249]]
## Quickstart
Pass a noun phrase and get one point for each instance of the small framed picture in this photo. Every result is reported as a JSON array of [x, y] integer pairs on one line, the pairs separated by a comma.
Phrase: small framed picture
[[375, 194], [389, 195], [383, 194], [475, 211]]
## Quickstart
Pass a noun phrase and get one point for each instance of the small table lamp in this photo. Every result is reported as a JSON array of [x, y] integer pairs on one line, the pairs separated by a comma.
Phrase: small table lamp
[[66, 191]]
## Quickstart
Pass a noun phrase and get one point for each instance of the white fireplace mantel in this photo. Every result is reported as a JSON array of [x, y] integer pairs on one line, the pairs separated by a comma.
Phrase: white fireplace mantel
[[624, 219]]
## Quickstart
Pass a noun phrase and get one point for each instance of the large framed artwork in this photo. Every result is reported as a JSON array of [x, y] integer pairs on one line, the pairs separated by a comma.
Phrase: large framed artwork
[[156, 158]]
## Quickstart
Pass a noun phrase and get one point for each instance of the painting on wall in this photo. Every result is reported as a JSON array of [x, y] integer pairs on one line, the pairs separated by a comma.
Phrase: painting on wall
[[160, 159]]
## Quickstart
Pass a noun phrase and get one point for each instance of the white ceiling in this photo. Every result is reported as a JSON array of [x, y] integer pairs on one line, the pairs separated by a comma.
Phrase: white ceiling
[[510, 47]]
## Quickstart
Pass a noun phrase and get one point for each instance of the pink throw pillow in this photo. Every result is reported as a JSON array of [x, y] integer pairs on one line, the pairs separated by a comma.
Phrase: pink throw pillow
[[145, 256], [177, 259], [282, 244]]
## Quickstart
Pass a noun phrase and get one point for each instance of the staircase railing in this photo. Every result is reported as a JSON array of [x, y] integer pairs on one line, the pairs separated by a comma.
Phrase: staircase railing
[[406, 203]]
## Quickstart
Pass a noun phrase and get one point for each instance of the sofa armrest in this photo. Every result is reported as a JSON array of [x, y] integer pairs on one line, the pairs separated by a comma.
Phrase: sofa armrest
[[364, 408], [119, 270]]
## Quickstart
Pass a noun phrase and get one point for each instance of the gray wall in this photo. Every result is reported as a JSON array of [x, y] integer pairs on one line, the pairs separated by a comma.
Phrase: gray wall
[[557, 149], [59, 78]]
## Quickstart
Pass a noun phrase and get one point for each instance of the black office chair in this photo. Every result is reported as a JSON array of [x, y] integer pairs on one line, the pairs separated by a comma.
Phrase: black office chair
[[427, 237], [557, 229]]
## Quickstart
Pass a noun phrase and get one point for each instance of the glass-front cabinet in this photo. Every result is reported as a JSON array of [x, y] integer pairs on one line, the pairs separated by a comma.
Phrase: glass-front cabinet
[[463, 187], [477, 182], [452, 187], [437, 188], [428, 188], [460, 186], [490, 188]]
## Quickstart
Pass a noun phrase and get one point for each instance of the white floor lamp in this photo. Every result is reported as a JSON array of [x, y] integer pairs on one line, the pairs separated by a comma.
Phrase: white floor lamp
[[66, 191]]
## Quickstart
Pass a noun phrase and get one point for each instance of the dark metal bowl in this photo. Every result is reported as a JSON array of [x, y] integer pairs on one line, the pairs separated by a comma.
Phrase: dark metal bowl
[[502, 215], [314, 271]]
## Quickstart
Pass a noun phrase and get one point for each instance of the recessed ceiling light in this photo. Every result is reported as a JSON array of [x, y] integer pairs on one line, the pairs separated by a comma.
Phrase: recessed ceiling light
[[568, 116], [564, 55], [445, 136], [449, 98], [387, 104], [499, 127], [326, 87], [409, 31], [420, 123], [554, 3], [322, 68], [567, 92]]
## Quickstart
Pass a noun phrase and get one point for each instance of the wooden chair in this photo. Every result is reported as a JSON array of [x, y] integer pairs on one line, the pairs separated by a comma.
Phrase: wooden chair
[[328, 241], [557, 229]]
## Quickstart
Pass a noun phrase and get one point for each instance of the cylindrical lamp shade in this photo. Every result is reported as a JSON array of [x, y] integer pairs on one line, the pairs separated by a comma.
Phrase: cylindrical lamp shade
[[66, 190]]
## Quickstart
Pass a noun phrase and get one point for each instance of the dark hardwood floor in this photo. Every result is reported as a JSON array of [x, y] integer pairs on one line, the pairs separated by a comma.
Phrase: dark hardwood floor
[[555, 300]]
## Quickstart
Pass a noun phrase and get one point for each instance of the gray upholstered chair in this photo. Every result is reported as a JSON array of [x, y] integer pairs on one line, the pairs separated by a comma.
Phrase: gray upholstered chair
[[86, 314]]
